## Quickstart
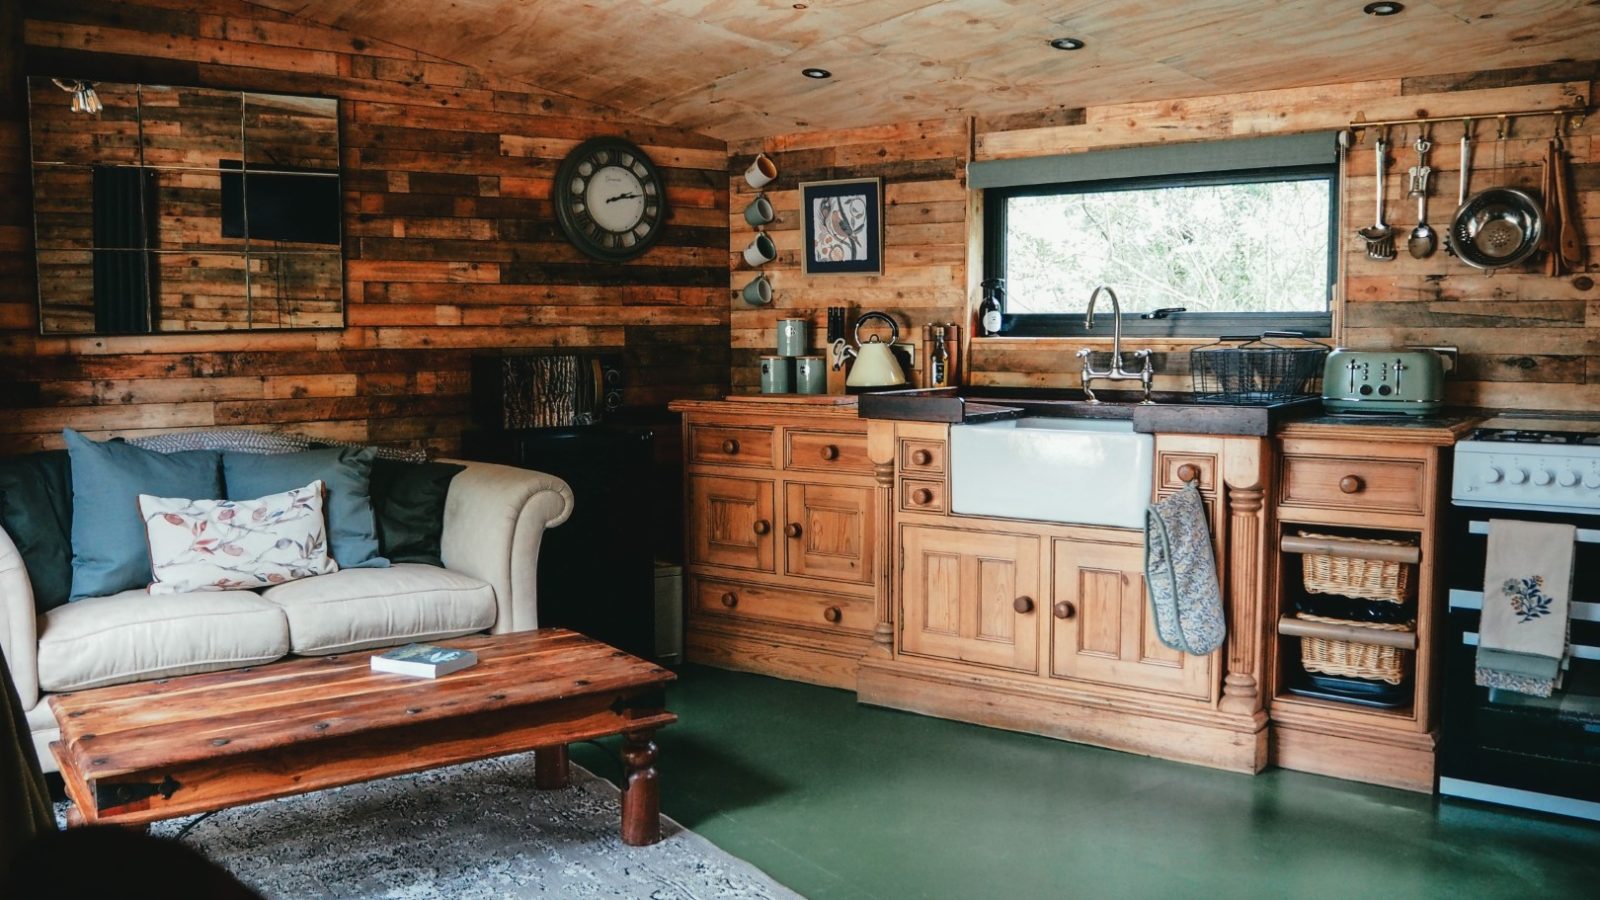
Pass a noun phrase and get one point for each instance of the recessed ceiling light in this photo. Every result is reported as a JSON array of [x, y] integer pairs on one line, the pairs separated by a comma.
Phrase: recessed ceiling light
[[1067, 44], [816, 73], [1383, 8]]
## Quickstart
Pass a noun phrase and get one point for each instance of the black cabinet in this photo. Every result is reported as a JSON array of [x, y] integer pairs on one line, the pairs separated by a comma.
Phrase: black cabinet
[[596, 571]]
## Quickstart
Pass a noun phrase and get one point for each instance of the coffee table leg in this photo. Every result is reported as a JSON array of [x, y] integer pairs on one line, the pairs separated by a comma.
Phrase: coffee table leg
[[550, 770], [641, 797]]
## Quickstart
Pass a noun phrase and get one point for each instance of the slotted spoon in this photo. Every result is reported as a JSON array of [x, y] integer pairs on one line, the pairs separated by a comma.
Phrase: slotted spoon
[[1379, 236]]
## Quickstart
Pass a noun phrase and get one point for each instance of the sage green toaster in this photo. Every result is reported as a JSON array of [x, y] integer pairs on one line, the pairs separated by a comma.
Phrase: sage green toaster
[[1383, 381]]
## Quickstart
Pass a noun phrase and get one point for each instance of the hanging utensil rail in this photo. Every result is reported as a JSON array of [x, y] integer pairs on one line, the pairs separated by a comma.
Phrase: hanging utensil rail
[[1570, 117]]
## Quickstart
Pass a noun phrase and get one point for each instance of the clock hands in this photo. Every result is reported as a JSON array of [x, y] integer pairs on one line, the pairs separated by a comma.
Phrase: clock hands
[[629, 196]]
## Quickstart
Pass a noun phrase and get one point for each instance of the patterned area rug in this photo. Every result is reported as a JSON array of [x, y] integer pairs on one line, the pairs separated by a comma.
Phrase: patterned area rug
[[479, 830]]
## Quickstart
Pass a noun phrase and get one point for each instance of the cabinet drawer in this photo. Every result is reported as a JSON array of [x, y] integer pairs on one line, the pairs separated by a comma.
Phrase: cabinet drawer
[[923, 496], [826, 451], [730, 445], [1334, 482], [918, 457], [749, 601]]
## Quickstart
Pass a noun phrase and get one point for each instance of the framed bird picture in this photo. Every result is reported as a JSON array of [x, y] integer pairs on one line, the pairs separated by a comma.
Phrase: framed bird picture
[[843, 225]]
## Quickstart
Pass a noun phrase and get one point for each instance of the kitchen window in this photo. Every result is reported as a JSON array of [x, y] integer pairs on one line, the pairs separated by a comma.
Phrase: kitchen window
[[1239, 251]]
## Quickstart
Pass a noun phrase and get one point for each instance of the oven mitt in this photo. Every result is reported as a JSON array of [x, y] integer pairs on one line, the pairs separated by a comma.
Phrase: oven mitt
[[1180, 569]]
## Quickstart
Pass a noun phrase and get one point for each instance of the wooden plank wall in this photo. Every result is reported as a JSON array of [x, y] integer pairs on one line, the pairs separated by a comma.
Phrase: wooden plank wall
[[922, 165], [450, 242], [1526, 340]]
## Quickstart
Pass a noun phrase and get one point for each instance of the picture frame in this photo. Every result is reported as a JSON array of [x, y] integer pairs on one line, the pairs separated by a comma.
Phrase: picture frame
[[842, 226]]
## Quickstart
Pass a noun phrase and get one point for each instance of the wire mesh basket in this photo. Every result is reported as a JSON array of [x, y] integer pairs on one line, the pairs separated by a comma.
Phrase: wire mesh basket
[[1257, 371]]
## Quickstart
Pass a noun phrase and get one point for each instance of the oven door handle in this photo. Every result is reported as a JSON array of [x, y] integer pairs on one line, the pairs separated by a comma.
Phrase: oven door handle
[[1585, 535], [1579, 651]]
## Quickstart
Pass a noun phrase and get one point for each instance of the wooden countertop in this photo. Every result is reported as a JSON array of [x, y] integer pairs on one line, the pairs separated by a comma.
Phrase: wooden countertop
[[841, 405], [1442, 430]]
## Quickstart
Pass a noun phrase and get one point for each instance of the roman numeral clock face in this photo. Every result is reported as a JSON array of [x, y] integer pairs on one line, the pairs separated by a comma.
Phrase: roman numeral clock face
[[609, 199]]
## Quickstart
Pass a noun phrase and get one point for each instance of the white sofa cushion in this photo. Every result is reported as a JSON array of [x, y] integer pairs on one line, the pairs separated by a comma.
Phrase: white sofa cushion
[[354, 609], [133, 636]]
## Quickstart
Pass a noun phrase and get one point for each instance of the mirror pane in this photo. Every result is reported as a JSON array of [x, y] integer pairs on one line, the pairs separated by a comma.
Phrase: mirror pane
[[61, 218], [201, 292], [95, 291], [291, 133], [296, 290], [60, 135], [190, 127], [191, 213]]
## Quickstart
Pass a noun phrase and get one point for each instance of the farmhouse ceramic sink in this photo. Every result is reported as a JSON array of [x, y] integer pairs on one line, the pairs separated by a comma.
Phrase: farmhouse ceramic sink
[[1075, 471]]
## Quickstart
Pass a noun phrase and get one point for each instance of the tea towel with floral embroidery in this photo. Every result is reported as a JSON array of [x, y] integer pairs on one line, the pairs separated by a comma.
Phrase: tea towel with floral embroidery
[[1527, 580], [1180, 569]]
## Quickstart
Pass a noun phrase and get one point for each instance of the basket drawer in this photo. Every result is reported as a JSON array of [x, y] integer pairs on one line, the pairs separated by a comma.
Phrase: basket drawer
[[1354, 659], [1374, 485]]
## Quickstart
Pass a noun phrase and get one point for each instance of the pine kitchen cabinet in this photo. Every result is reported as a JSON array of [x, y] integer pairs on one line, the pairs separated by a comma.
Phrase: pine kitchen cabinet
[[786, 523]]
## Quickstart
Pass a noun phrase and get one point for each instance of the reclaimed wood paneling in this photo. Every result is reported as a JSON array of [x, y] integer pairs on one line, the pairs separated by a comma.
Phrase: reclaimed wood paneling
[[450, 241], [1526, 340]]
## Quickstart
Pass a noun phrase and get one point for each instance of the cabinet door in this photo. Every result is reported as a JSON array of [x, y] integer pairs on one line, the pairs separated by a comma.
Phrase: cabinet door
[[827, 532], [1103, 629], [730, 522], [971, 596]]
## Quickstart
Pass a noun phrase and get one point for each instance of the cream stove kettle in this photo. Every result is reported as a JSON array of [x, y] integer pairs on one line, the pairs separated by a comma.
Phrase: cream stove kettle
[[875, 365]]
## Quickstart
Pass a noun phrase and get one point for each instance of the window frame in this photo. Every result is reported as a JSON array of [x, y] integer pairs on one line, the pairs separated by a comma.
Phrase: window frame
[[1190, 324]]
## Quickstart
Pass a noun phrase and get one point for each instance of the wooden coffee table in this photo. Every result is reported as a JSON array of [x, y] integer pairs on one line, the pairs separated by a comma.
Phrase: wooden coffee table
[[135, 753]]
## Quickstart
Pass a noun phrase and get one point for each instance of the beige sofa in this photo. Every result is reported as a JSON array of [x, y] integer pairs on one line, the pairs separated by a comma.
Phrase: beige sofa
[[495, 517]]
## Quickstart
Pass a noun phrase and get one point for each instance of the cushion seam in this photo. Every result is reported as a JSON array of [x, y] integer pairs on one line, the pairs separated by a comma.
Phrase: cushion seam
[[454, 632], [135, 676], [181, 617], [380, 596]]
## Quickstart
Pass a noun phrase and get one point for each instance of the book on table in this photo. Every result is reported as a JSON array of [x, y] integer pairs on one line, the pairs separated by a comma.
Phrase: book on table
[[423, 660]]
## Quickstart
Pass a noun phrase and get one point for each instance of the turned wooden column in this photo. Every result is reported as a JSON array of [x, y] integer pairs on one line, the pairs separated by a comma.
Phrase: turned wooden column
[[641, 790], [880, 449], [1245, 478]]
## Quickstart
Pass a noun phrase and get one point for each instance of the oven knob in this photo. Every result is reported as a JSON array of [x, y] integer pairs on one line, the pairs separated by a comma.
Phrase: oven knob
[[1543, 477], [1592, 480], [1518, 476], [1495, 475], [1569, 478]]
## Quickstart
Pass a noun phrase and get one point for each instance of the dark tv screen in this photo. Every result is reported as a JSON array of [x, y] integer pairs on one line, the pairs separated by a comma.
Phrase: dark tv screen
[[300, 206]]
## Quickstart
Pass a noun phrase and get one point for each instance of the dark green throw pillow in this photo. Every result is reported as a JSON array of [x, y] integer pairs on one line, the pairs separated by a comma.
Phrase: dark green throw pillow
[[36, 510], [347, 475], [409, 500]]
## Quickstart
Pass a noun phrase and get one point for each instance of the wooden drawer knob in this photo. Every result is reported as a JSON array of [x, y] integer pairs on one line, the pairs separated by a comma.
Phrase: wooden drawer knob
[[1188, 472], [1023, 604], [730, 446], [922, 496], [1065, 610], [1352, 484], [921, 457], [830, 452], [762, 526], [730, 599], [792, 529], [832, 614]]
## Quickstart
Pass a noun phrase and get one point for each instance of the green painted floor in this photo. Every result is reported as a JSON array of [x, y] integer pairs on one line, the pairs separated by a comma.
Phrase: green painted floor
[[843, 802]]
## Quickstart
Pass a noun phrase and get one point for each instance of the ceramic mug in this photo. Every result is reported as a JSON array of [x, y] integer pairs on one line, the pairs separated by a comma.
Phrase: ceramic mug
[[811, 375], [761, 251], [759, 212], [777, 375], [794, 337], [761, 172], [758, 292]]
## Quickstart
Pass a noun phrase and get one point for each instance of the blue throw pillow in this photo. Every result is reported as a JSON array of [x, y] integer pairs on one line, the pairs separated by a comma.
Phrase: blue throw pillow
[[347, 472], [109, 552]]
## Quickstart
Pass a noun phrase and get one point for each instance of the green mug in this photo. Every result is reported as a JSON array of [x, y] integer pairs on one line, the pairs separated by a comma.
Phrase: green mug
[[758, 292]]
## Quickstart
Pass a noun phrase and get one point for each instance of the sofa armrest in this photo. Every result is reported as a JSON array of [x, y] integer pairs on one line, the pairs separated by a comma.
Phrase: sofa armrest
[[19, 623], [494, 521]]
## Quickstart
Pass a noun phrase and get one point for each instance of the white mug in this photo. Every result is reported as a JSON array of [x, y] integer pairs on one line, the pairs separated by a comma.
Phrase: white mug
[[761, 171], [761, 250]]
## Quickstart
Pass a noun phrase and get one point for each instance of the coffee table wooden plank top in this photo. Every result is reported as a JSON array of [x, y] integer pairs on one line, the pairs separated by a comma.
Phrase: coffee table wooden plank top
[[141, 752]]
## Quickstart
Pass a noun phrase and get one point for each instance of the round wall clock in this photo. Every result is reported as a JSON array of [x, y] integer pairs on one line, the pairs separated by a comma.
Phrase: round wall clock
[[610, 199]]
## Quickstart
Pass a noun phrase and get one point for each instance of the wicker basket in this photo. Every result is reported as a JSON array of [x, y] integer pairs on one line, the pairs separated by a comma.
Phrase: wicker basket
[[1350, 659], [1349, 576]]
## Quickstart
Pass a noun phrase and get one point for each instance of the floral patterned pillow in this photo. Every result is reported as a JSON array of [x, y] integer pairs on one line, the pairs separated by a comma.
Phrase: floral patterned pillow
[[229, 545]]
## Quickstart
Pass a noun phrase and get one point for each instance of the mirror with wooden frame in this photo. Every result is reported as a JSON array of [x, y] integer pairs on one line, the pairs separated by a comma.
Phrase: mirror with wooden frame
[[178, 209]]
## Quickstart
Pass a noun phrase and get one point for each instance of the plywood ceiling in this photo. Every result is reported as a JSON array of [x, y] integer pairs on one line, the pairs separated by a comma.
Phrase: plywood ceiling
[[731, 68]]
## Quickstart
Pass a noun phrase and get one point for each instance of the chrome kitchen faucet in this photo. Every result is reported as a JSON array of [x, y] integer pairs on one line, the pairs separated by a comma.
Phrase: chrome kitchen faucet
[[1115, 372]]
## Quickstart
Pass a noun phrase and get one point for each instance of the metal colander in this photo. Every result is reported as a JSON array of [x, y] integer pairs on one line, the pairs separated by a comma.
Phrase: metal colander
[[1257, 371]]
